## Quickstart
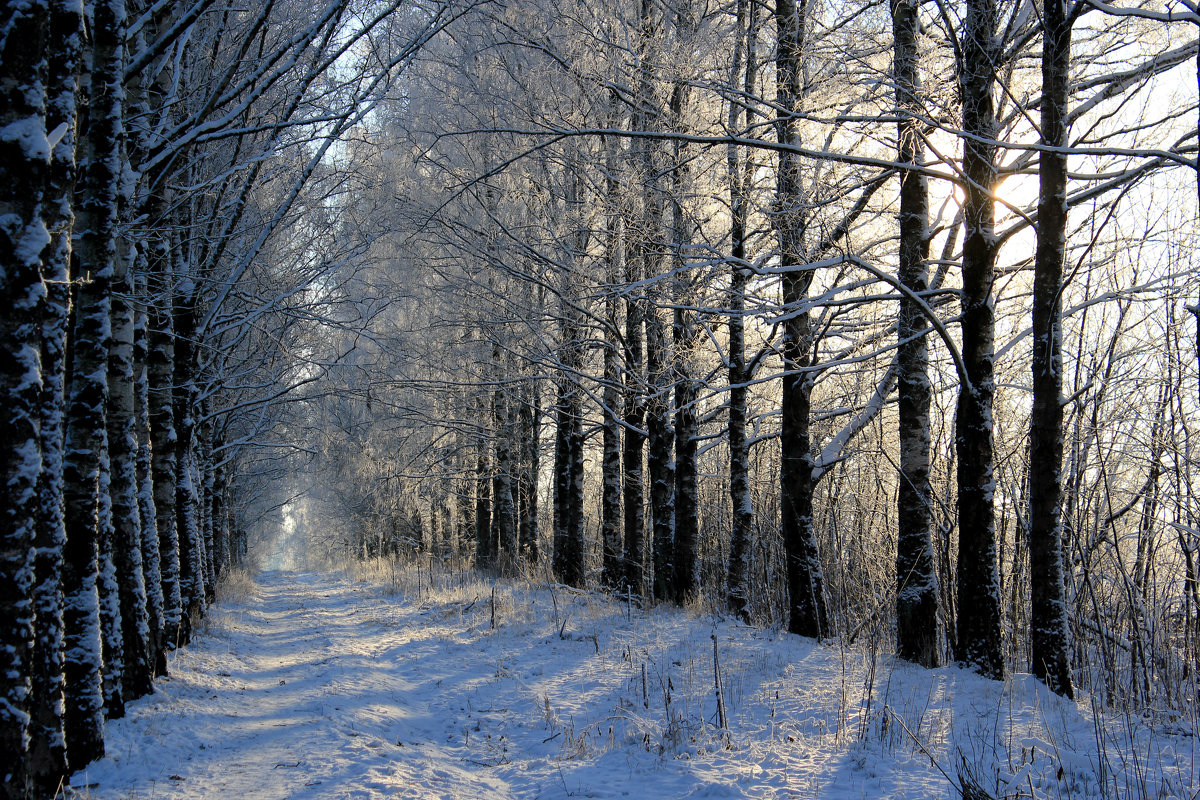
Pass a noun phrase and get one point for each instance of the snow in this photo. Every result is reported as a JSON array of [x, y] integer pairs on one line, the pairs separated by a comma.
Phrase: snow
[[29, 133], [315, 685]]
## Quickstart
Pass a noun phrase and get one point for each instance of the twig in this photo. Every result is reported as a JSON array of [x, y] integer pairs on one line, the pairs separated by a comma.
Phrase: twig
[[722, 720]]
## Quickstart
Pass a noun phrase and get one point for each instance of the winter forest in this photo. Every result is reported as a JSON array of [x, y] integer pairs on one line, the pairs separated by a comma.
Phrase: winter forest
[[856, 330]]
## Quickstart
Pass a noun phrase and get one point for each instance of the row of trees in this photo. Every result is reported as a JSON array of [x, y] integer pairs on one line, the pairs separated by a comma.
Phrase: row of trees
[[855, 318], [163, 170], [757, 306]]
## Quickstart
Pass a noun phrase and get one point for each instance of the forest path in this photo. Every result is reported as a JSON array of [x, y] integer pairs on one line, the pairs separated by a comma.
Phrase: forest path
[[320, 687], [308, 689]]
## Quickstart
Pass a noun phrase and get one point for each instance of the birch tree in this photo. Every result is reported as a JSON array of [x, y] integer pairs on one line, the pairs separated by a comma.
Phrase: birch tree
[[24, 165], [978, 641], [807, 614], [1050, 647], [917, 624]]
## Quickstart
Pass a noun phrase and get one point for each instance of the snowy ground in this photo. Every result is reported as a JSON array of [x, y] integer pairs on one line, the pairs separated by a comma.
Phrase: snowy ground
[[319, 686]]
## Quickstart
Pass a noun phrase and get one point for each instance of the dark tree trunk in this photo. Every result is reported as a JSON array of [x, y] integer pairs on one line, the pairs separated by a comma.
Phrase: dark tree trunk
[[94, 661], [208, 480], [465, 497], [741, 506], [529, 421], [163, 439], [47, 742], [978, 641], [151, 560], [917, 629], [126, 515], [687, 510], [1050, 644], [24, 170], [807, 614], [562, 454], [187, 499], [659, 463], [222, 554], [652, 164], [81, 482], [612, 574], [112, 643], [567, 534], [105, 180], [567, 559], [683, 336], [633, 486], [483, 508], [574, 574], [502, 488]]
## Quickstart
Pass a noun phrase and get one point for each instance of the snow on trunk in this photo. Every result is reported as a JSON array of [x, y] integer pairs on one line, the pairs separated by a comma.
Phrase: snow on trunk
[[126, 542], [807, 613], [978, 631], [24, 166], [1050, 644], [47, 746], [918, 633], [148, 525]]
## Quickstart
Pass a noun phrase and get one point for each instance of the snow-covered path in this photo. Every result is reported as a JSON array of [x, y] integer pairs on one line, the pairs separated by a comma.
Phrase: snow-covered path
[[307, 691], [317, 686]]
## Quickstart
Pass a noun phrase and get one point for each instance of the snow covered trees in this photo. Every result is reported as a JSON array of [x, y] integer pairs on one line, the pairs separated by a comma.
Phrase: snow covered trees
[[125, 443], [791, 248], [25, 150], [716, 305]]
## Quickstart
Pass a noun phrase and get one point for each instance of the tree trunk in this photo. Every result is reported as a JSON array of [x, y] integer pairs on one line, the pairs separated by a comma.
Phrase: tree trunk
[[741, 506], [24, 170], [633, 487], [81, 481], [1050, 644], [208, 479], [612, 570], [163, 440], [187, 499], [659, 463], [568, 465], [483, 506], [683, 337], [126, 516], [91, 617], [112, 643], [807, 614], [979, 640], [505, 507], [151, 559], [574, 575], [529, 420], [917, 628], [47, 743]]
